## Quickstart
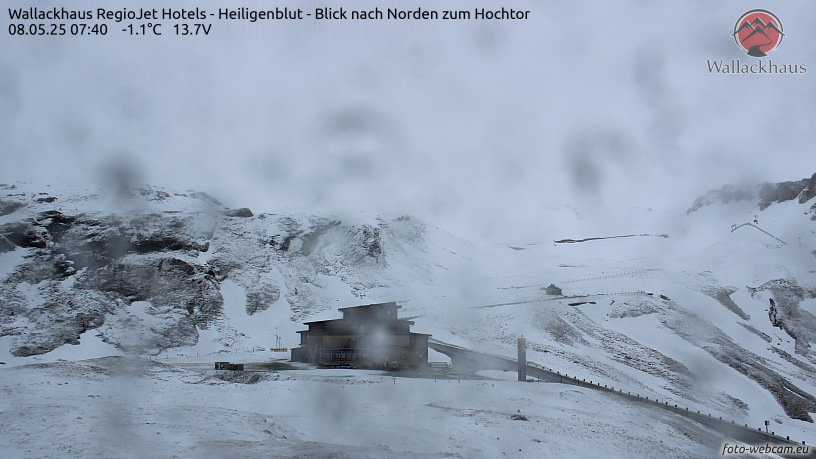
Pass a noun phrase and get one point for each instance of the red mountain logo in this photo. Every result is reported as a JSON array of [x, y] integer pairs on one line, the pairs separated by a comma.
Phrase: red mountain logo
[[758, 32]]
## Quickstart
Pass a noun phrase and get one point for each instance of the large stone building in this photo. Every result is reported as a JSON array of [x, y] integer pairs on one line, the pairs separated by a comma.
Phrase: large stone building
[[369, 336]]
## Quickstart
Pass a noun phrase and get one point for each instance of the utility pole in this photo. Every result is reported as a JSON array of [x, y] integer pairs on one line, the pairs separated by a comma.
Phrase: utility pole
[[522, 359]]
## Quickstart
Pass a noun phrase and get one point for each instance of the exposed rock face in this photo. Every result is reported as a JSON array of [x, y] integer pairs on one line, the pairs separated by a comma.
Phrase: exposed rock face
[[367, 239], [785, 313], [766, 194], [9, 207], [81, 271], [723, 296], [161, 281], [274, 257], [770, 193], [243, 212], [726, 194], [150, 277], [772, 315], [809, 192], [261, 297]]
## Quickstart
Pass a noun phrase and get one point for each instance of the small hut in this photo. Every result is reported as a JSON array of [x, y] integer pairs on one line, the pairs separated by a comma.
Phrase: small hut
[[553, 289]]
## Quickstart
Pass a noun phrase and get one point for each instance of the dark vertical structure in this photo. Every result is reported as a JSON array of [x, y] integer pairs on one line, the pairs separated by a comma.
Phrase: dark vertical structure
[[522, 359]]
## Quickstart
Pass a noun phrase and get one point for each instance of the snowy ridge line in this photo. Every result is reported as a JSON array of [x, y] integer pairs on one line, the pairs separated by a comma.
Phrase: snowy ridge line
[[465, 358], [590, 295], [504, 304], [609, 276], [572, 241], [513, 287], [563, 297]]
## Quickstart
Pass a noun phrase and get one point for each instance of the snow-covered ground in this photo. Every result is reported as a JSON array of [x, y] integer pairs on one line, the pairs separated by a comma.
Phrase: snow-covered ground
[[131, 407]]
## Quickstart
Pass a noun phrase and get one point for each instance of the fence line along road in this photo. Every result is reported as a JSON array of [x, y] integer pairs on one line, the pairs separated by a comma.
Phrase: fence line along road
[[465, 358]]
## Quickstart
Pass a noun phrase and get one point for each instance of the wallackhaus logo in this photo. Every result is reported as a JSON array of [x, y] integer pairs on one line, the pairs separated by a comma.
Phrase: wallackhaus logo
[[757, 33]]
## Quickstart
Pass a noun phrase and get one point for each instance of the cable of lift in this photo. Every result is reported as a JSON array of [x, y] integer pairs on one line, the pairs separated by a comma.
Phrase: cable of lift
[[736, 227]]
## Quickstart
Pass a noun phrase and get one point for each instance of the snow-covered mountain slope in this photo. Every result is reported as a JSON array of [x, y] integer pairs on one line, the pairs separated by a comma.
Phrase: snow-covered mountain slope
[[686, 318], [682, 320]]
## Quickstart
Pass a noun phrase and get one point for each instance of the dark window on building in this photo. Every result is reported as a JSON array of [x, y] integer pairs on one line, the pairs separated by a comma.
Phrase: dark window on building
[[413, 340], [404, 356]]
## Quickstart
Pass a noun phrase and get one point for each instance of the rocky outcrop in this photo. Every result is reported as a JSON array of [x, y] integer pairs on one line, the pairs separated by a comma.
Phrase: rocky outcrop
[[260, 297], [770, 193], [766, 194], [24, 234], [243, 212], [723, 296], [95, 242], [368, 241], [82, 271], [46, 302], [164, 282], [726, 194], [7, 208], [785, 312], [149, 277]]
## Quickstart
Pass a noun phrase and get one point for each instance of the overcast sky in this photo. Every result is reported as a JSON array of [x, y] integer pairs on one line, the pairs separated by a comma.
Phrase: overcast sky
[[474, 126]]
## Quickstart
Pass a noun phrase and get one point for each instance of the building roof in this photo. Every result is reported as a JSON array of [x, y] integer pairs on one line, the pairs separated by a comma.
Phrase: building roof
[[410, 322], [351, 324], [390, 304], [409, 333]]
